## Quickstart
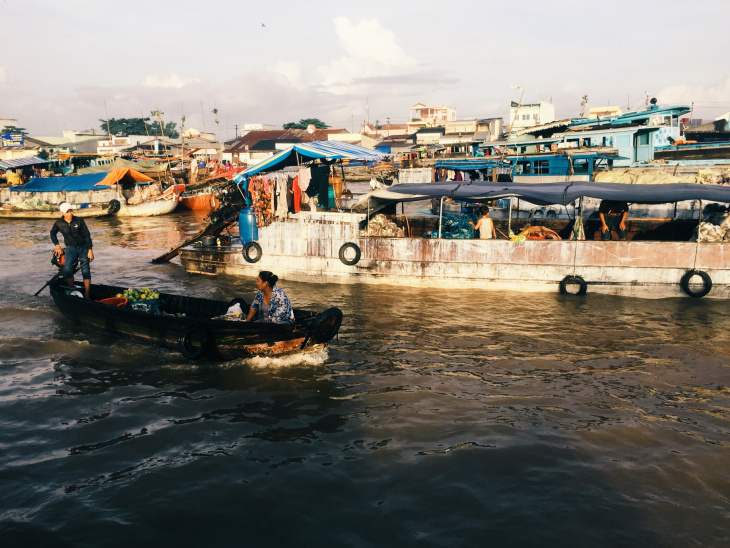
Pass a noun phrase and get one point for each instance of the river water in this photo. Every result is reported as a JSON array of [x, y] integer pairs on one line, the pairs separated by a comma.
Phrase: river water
[[439, 418]]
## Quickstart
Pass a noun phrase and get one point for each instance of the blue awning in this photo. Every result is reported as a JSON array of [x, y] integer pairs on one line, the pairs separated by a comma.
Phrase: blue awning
[[461, 165], [22, 162], [307, 152], [61, 184]]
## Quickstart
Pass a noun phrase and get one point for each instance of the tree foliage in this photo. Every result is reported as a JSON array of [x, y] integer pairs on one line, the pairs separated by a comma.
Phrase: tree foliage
[[304, 122], [139, 126], [14, 129]]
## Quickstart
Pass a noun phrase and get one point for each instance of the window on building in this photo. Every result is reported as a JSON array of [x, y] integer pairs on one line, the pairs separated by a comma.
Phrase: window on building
[[541, 167], [643, 139], [580, 165], [522, 168]]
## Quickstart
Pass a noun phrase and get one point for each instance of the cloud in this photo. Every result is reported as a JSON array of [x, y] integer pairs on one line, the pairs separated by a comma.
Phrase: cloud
[[682, 93], [372, 51], [3, 75], [292, 71], [167, 81]]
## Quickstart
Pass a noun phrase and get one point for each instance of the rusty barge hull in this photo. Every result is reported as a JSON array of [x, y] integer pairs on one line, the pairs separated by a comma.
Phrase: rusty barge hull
[[306, 247]]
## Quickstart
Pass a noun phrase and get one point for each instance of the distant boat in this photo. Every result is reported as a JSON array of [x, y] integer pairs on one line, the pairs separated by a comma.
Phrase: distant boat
[[127, 191]]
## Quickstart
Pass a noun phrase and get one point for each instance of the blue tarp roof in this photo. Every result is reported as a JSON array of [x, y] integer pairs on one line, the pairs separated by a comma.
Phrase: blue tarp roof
[[482, 163], [631, 117], [61, 184], [563, 193], [306, 152], [22, 162]]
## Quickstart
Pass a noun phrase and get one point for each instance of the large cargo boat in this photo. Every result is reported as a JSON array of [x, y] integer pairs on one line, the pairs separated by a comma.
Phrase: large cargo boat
[[345, 247]]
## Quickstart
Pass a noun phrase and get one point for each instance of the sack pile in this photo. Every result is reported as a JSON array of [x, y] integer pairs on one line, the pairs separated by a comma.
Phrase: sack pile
[[144, 193], [379, 225]]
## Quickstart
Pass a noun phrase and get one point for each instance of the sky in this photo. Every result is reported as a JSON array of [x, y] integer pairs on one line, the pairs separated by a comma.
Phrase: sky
[[66, 65]]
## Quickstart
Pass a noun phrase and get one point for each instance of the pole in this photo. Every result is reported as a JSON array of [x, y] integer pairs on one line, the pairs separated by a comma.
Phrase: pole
[[441, 214], [509, 216]]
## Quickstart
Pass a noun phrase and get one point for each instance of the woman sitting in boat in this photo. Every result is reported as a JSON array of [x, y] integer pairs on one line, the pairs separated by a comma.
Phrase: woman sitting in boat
[[270, 303]]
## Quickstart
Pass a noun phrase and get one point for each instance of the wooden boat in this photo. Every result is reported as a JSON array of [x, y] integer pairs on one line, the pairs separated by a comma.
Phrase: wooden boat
[[201, 196], [163, 204], [11, 212], [131, 193], [201, 332]]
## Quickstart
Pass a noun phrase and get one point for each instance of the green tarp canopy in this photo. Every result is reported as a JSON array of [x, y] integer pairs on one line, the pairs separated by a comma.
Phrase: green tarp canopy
[[143, 166]]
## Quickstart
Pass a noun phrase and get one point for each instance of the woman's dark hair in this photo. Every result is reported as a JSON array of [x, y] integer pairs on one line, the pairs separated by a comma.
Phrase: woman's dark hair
[[268, 277]]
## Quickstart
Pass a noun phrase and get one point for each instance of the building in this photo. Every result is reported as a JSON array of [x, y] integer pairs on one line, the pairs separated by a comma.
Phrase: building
[[379, 131], [193, 133], [421, 115], [522, 116], [633, 135], [8, 122], [257, 145], [360, 139]]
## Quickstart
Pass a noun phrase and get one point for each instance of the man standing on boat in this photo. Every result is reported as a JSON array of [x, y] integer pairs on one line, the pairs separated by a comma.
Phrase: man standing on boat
[[613, 217], [77, 238]]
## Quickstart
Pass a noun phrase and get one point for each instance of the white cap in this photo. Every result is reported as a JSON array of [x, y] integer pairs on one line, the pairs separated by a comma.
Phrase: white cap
[[65, 206]]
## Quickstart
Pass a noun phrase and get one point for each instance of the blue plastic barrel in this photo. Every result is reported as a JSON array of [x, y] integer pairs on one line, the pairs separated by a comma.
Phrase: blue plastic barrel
[[247, 226], [330, 197]]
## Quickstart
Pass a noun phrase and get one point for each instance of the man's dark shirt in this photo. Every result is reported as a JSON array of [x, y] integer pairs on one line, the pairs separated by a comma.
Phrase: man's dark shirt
[[75, 234], [612, 207]]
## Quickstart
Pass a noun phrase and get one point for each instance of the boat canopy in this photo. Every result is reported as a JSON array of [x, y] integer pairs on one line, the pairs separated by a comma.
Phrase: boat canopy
[[143, 166], [551, 193], [92, 181], [307, 152], [22, 162], [461, 165]]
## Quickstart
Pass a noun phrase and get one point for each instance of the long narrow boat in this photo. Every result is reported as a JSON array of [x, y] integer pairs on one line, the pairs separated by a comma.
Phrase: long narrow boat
[[197, 327], [11, 212]]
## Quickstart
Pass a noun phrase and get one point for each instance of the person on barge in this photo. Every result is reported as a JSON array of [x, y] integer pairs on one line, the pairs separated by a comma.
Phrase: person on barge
[[270, 303], [485, 225], [77, 238], [613, 218]]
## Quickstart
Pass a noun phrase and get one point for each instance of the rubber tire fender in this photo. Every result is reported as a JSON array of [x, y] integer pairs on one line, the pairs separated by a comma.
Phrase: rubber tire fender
[[343, 250], [707, 281], [325, 325], [186, 338], [247, 252], [114, 206], [573, 280]]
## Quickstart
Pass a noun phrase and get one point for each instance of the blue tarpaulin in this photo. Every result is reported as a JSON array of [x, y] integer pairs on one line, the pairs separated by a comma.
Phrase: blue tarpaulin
[[62, 184], [306, 152], [462, 165]]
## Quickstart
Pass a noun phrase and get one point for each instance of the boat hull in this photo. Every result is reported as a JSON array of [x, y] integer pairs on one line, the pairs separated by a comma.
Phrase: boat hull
[[87, 212], [224, 339], [199, 202], [165, 203], [308, 246]]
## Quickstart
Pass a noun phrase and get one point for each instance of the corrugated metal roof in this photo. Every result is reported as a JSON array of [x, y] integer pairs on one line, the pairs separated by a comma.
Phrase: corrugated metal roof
[[22, 162], [304, 152], [250, 140]]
